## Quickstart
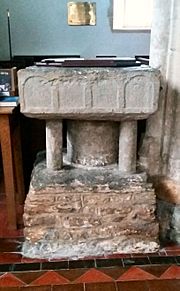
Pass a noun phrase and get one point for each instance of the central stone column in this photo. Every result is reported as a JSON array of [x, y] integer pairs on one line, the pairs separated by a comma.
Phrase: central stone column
[[92, 143]]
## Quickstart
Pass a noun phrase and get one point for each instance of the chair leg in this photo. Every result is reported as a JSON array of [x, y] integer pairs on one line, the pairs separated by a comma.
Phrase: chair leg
[[9, 181], [18, 168]]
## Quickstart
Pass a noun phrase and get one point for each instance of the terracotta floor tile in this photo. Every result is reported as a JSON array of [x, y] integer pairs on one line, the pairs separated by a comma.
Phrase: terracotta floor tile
[[72, 275], [10, 280], [10, 288], [172, 248], [10, 245], [164, 285], [109, 286], [135, 273], [6, 258], [28, 277], [173, 272], [69, 287], [132, 286], [4, 230], [50, 278], [173, 253], [36, 288], [93, 275], [157, 271], [114, 273], [29, 260]]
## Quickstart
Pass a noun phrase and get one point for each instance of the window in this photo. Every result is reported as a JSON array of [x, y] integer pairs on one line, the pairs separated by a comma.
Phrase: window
[[132, 14]]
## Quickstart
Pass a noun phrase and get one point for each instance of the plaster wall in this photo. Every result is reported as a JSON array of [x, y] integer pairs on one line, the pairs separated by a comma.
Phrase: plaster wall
[[40, 28]]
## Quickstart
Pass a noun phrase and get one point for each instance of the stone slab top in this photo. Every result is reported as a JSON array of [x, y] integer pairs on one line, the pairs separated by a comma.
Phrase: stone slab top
[[59, 70], [106, 93]]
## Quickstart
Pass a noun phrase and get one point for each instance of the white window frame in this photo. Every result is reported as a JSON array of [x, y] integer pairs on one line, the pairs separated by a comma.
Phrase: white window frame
[[119, 17]]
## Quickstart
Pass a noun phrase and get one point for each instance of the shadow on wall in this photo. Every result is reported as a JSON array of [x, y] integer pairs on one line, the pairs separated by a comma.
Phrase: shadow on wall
[[110, 14]]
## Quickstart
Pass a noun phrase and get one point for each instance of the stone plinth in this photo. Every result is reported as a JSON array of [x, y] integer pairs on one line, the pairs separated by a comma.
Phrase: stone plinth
[[92, 212]]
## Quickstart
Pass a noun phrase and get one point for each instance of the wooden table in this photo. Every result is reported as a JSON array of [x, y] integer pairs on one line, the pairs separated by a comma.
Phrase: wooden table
[[12, 161]]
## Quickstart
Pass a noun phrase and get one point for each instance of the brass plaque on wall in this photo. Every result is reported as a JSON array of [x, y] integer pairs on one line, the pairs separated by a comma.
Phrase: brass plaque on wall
[[81, 13]]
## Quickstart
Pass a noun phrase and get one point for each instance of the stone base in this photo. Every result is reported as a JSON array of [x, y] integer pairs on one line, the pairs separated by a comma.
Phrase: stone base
[[76, 213], [44, 249], [168, 209]]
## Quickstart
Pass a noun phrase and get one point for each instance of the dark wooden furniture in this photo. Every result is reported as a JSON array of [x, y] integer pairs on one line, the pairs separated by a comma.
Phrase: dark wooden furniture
[[12, 161]]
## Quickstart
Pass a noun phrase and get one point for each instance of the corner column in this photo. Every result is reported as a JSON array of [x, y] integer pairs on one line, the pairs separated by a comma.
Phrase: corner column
[[54, 144], [127, 146]]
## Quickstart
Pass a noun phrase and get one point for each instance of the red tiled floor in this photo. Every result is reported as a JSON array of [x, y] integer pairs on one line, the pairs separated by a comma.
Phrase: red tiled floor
[[105, 278], [11, 245], [114, 273], [34, 288], [164, 285], [50, 278], [9, 280], [157, 271], [4, 230], [73, 274], [172, 247], [92, 276], [173, 272], [28, 277], [172, 250], [11, 288], [7, 258], [133, 286], [137, 274], [29, 260], [110, 286], [69, 287]]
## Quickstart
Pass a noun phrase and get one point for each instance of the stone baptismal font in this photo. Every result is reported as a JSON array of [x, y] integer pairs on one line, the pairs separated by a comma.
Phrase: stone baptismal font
[[91, 199]]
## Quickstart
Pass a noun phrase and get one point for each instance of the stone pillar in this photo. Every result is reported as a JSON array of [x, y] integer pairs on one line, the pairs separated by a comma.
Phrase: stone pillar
[[160, 153], [54, 144], [173, 169], [151, 153], [127, 146], [163, 128], [92, 143]]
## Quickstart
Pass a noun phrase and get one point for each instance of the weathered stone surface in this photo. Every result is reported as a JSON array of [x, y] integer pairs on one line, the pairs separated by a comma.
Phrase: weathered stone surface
[[80, 212], [89, 93], [67, 249], [168, 209], [54, 144], [167, 190], [92, 143], [160, 153], [71, 178], [127, 146], [169, 221]]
